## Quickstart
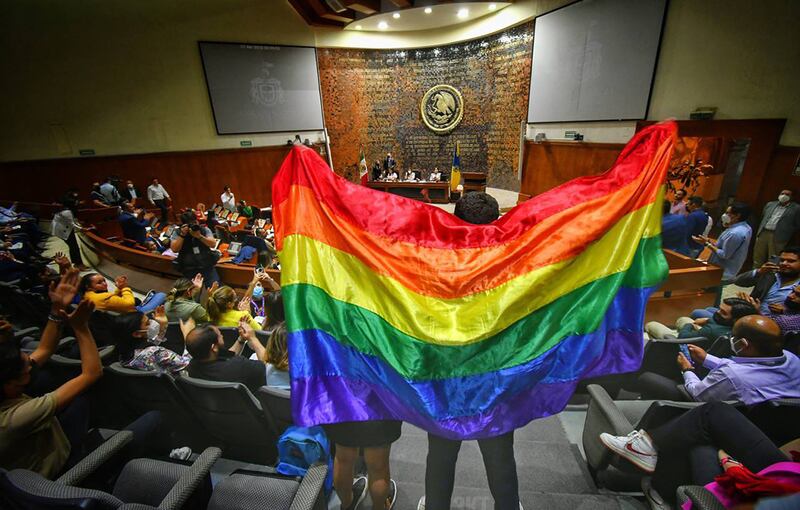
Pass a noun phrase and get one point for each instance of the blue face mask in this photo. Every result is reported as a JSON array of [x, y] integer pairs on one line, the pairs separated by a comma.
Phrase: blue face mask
[[258, 291]]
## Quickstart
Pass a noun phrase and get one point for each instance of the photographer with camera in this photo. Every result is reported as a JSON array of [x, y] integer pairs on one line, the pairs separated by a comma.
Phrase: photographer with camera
[[193, 243]]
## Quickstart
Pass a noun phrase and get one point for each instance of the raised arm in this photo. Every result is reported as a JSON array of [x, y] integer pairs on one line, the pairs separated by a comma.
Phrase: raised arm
[[91, 369], [177, 244], [61, 297]]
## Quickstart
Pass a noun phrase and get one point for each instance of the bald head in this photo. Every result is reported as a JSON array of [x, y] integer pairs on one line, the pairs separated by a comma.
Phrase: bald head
[[200, 342], [763, 336]]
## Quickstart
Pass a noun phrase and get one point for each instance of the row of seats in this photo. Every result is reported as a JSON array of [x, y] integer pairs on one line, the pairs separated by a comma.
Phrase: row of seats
[[149, 484]]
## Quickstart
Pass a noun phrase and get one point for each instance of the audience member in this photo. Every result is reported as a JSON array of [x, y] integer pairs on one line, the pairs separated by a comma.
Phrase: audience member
[[134, 223], [222, 309], [731, 248], [193, 243], [94, 287], [276, 356], [411, 176], [255, 298], [200, 212], [497, 452], [779, 222], [244, 210], [227, 199], [212, 362], [678, 205], [158, 196], [436, 175], [110, 192], [697, 223], [183, 301], [391, 176], [137, 340], [674, 230], [787, 316], [718, 324], [64, 227], [773, 282], [684, 450], [96, 198], [130, 193], [760, 369]]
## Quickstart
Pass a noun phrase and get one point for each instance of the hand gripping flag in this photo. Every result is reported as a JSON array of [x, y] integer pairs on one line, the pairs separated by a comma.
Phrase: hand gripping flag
[[399, 310]]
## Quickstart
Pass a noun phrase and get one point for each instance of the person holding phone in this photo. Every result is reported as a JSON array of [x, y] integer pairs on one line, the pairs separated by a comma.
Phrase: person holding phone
[[773, 282]]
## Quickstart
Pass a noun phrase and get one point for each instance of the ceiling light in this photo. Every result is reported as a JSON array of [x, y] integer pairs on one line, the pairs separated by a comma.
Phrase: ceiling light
[[428, 10], [492, 7], [463, 13], [383, 25], [396, 15], [359, 27]]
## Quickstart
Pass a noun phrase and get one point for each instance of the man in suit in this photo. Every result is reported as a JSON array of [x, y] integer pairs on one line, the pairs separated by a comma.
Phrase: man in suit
[[376, 170], [779, 222], [389, 163], [130, 193]]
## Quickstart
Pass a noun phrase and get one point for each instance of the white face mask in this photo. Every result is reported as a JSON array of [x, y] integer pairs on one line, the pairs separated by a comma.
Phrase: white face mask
[[726, 219], [153, 330], [783, 198], [738, 341]]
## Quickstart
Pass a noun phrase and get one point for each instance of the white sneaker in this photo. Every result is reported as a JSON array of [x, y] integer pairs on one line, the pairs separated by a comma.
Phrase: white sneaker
[[421, 503], [636, 447]]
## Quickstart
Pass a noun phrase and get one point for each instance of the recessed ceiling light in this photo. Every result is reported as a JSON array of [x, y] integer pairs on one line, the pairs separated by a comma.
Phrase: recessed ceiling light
[[463, 13], [428, 10], [396, 15], [492, 7], [359, 27], [383, 25]]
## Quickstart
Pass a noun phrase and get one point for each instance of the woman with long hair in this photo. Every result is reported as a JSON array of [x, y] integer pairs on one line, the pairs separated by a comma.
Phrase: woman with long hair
[[184, 300], [222, 309]]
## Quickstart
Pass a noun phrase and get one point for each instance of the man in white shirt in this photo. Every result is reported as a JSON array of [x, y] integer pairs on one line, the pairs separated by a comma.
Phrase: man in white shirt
[[227, 199], [158, 196]]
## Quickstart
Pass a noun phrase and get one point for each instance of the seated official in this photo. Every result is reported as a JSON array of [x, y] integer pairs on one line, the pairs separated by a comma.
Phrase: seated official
[[244, 210], [184, 303], [134, 223], [223, 309], [93, 286], [760, 370], [684, 451], [435, 176], [391, 176], [411, 176], [276, 356], [212, 362], [137, 338]]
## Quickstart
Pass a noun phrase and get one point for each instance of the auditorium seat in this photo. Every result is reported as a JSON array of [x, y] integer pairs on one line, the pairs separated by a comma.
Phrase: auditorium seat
[[144, 481], [233, 417], [229, 335], [250, 492], [277, 405], [174, 338], [131, 393]]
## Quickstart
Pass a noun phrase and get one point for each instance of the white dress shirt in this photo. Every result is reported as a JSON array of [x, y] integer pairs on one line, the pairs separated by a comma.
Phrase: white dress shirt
[[228, 201], [156, 192]]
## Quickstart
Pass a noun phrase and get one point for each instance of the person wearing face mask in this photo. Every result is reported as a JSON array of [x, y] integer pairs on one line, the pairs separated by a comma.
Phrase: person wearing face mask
[[759, 370], [730, 250], [255, 296], [138, 338], [785, 315], [718, 324], [130, 193], [779, 221]]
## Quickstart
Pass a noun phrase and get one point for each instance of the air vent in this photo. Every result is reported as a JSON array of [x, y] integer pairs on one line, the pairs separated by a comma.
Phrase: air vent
[[336, 5]]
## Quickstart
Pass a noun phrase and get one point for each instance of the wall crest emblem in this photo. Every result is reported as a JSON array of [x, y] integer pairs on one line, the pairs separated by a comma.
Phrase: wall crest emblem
[[442, 108]]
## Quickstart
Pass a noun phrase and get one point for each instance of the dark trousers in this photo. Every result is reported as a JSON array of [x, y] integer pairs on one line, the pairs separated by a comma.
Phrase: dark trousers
[[74, 420], [658, 387], [74, 249], [162, 204], [687, 446], [498, 459]]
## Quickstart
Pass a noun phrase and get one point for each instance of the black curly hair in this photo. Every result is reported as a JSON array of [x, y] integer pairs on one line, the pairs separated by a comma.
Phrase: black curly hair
[[477, 207]]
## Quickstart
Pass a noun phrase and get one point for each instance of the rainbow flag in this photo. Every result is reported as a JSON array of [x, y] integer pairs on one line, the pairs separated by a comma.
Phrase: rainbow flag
[[399, 310]]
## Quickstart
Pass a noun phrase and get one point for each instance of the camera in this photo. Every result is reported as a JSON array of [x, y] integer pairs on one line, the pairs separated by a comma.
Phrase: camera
[[195, 227]]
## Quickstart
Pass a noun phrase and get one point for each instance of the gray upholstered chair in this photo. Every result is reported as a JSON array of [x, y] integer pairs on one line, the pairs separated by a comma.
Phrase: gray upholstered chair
[[233, 417], [156, 483], [277, 405], [250, 492]]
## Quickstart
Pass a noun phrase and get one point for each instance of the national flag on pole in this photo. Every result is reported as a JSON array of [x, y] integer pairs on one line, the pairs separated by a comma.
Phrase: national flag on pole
[[455, 171], [372, 284], [363, 169]]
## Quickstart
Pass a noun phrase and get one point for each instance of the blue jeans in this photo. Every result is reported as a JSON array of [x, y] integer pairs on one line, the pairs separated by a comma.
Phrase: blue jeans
[[498, 459], [704, 313]]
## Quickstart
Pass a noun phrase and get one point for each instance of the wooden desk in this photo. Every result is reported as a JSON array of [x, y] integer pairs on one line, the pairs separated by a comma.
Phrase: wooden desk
[[438, 192], [684, 289]]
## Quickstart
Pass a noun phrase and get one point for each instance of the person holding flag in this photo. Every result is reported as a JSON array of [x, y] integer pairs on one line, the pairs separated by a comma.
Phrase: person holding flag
[[455, 171], [363, 169]]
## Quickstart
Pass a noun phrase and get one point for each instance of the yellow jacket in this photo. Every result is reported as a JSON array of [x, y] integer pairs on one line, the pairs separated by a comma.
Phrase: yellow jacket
[[230, 319], [121, 301]]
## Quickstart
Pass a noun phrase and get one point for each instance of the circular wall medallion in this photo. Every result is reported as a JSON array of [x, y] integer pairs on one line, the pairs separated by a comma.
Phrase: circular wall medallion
[[442, 108]]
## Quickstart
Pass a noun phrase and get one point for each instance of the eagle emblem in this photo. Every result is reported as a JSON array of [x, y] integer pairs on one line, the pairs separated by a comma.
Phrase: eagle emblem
[[442, 108]]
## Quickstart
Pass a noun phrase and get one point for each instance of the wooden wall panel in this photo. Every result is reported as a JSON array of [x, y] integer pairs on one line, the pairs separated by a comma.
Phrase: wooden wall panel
[[779, 176], [189, 177], [548, 164]]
